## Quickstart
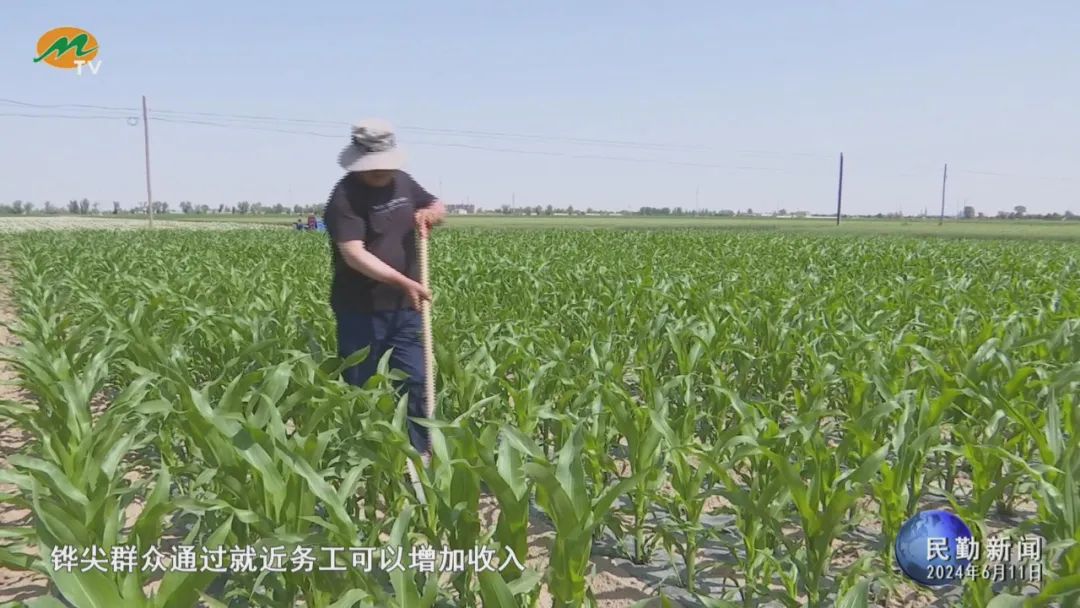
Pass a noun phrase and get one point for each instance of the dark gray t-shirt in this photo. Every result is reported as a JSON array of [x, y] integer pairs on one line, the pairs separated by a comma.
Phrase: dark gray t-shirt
[[384, 219]]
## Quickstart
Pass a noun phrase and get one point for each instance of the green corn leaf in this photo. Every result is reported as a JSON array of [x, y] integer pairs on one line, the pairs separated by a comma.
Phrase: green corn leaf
[[181, 589], [855, 597], [131, 590], [569, 470], [54, 525], [19, 480], [561, 507], [92, 589], [117, 452], [45, 602], [246, 444], [1006, 600], [526, 583], [51, 476], [868, 469], [494, 590], [522, 443], [211, 602], [16, 561], [317, 485], [403, 581], [1059, 588], [351, 598]]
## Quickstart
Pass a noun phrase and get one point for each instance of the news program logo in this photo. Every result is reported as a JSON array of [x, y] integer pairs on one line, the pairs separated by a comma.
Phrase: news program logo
[[68, 48], [933, 548]]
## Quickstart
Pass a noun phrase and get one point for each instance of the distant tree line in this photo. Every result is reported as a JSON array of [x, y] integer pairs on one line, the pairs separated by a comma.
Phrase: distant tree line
[[682, 212], [570, 210], [85, 207], [539, 210], [1019, 212]]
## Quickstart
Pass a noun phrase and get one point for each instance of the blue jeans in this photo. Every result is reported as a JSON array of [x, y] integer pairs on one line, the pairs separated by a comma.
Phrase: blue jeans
[[400, 330]]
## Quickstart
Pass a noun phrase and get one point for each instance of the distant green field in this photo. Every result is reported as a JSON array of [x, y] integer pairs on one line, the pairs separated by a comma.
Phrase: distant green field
[[972, 229], [993, 229]]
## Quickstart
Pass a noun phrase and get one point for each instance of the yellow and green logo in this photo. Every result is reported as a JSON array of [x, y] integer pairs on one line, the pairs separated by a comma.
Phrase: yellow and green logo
[[67, 48]]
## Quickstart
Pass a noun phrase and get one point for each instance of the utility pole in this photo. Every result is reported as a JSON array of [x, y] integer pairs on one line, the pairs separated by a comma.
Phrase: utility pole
[[697, 197], [944, 177], [840, 189], [146, 145]]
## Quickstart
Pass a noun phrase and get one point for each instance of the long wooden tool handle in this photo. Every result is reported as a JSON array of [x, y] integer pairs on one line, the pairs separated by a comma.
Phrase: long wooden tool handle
[[429, 351], [429, 371]]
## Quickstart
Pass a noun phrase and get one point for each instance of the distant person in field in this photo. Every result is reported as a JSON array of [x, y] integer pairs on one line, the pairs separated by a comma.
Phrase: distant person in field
[[372, 217]]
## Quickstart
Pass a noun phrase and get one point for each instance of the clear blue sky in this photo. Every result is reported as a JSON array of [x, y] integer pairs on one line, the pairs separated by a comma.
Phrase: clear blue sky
[[765, 95]]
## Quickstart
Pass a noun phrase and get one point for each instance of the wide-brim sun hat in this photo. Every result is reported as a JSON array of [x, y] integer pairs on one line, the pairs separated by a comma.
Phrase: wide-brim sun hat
[[372, 147]]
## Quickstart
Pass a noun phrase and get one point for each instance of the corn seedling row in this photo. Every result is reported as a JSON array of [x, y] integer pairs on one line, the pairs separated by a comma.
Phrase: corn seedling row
[[796, 386]]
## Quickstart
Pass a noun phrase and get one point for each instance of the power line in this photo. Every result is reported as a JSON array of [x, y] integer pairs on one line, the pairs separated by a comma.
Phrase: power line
[[64, 105], [72, 116], [224, 120], [261, 118], [420, 143], [441, 131], [600, 157], [249, 127], [484, 148], [587, 141], [456, 132]]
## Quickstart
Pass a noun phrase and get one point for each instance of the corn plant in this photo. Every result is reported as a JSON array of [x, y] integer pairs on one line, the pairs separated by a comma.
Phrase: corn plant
[[645, 456], [576, 510], [693, 476], [75, 484], [791, 374], [752, 484], [821, 490]]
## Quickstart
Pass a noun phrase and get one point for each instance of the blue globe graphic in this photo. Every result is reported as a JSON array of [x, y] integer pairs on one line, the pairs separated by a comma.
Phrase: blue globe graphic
[[913, 548]]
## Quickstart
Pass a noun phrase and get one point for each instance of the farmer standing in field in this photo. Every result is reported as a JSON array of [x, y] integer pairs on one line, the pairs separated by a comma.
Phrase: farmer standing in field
[[372, 217]]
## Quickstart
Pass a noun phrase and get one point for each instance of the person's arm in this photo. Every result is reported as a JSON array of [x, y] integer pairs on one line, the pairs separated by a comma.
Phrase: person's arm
[[363, 261], [430, 210]]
